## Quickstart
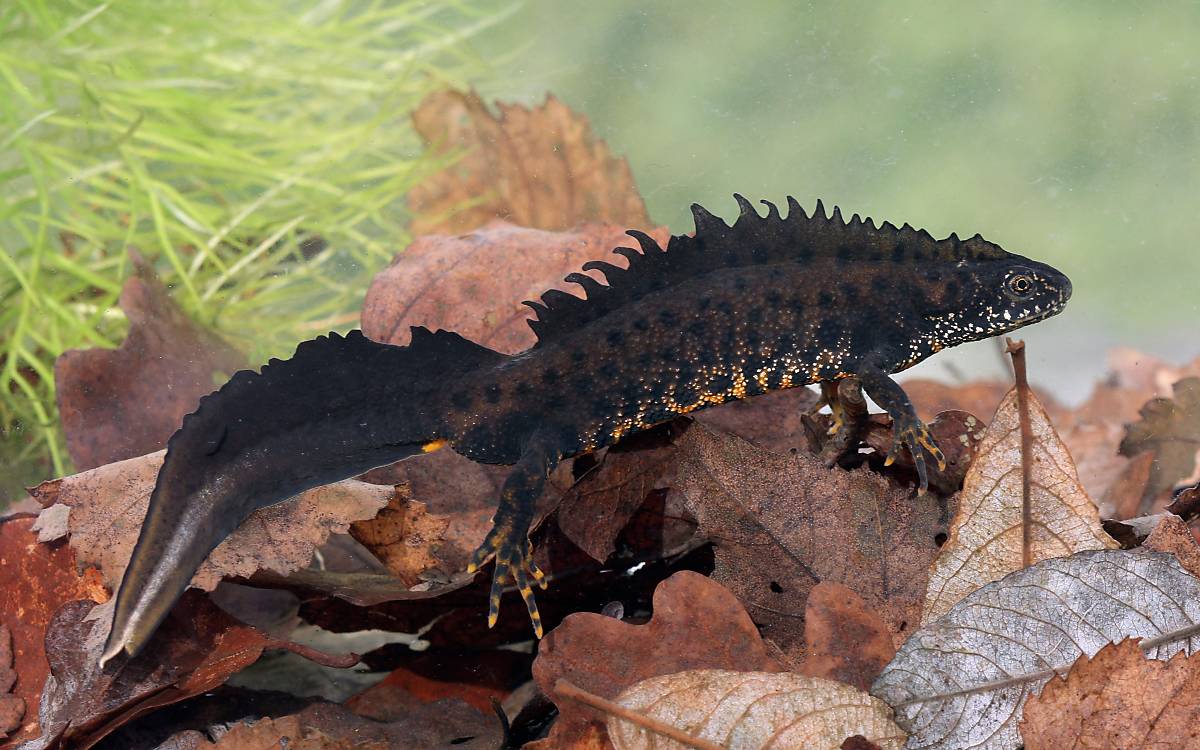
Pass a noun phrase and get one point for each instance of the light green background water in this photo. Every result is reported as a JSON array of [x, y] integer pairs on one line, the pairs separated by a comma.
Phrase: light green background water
[[1068, 131]]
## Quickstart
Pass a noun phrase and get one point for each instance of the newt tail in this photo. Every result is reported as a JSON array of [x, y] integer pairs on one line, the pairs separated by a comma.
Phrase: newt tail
[[767, 303]]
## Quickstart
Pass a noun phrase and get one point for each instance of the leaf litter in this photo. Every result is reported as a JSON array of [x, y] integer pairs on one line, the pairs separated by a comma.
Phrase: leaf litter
[[825, 557]]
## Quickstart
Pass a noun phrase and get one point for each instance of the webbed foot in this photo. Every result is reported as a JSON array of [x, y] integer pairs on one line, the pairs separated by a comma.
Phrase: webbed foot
[[911, 432], [509, 542]]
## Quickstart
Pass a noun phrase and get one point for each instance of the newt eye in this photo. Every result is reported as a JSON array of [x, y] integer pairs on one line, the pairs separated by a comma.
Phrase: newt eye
[[1020, 286]]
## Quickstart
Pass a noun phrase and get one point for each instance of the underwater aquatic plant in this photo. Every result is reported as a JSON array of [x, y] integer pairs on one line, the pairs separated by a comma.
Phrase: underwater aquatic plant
[[257, 153]]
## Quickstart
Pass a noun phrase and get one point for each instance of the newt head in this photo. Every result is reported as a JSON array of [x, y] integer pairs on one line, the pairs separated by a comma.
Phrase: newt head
[[978, 299]]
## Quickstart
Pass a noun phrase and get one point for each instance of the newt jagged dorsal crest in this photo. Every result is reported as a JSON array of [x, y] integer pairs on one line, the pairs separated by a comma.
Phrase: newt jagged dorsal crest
[[753, 239]]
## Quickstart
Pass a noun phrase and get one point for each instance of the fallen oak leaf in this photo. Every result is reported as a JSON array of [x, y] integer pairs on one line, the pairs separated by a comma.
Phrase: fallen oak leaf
[[120, 403], [781, 524], [1103, 703], [12, 707], [537, 167], [1094, 430], [595, 509], [109, 503], [987, 535], [475, 283], [845, 640], [197, 648], [1170, 429], [328, 726], [403, 536], [957, 433], [750, 710], [48, 580], [962, 679], [696, 624]]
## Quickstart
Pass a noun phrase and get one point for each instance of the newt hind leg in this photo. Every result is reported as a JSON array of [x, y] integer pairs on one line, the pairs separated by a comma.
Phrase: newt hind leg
[[509, 538]]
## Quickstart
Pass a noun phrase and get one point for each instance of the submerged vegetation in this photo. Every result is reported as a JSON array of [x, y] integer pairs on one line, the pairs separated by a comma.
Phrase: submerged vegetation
[[258, 156]]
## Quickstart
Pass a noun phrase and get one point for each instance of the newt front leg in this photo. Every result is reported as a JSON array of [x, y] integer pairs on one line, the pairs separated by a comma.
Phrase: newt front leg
[[907, 428], [509, 538]]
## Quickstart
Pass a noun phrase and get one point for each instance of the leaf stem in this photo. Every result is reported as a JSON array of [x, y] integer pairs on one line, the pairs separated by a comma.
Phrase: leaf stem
[[1016, 348], [568, 690]]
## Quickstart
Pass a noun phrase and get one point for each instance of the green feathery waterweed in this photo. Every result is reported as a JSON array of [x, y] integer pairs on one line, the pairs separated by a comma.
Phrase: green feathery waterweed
[[258, 153]]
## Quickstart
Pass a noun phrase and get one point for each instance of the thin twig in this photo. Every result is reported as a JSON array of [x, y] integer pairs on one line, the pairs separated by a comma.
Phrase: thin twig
[[1016, 348], [568, 690]]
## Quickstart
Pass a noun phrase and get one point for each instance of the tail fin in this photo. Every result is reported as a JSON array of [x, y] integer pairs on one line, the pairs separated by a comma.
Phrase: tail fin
[[338, 407]]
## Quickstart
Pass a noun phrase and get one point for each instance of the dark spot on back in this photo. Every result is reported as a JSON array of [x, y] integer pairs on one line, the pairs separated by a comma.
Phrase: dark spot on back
[[550, 376], [845, 254], [641, 324], [578, 355], [615, 337], [849, 291], [825, 299], [774, 298], [720, 383], [880, 285], [460, 400], [828, 332], [899, 252], [524, 388], [668, 317], [492, 394], [705, 303]]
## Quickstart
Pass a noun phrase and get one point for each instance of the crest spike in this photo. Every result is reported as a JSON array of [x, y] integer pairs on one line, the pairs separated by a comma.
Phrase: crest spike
[[746, 208], [648, 243], [772, 210], [794, 209], [819, 210], [837, 216], [705, 221], [591, 287]]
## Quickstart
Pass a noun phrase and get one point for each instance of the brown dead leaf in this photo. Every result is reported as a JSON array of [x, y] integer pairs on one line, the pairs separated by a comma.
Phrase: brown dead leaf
[[196, 649], [931, 397], [845, 640], [772, 421], [47, 581], [327, 726], [1173, 535], [597, 507], [696, 624], [1093, 431], [1170, 429], [784, 523], [1187, 503], [540, 168], [403, 536], [474, 284], [484, 676], [1118, 700], [12, 707], [858, 742], [745, 710], [985, 541], [120, 403], [108, 505], [957, 433]]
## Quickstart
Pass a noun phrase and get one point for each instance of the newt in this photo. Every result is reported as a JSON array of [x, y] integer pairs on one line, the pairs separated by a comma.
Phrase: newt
[[769, 302]]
